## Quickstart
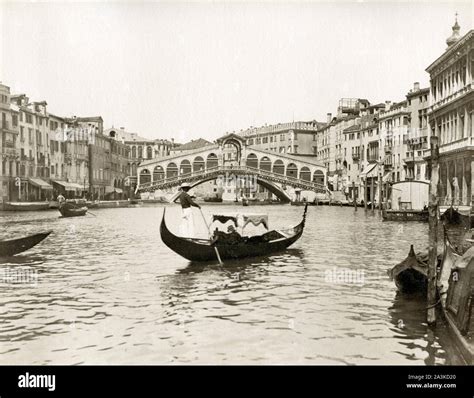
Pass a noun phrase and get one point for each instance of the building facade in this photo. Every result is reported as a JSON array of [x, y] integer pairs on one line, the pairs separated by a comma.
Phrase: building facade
[[296, 138], [44, 154], [450, 117]]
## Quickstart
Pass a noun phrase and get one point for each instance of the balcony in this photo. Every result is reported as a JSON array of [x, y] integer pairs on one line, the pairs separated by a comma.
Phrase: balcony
[[9, 152], [388, 148], [9, 144], [355, 156], [410, 158]]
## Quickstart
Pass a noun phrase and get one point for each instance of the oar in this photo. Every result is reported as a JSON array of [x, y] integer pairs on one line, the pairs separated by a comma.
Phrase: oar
[[209, 230]]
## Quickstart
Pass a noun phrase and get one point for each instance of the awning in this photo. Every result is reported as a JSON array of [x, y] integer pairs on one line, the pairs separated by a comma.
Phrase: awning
[[387, 177], [109, 189], [68, 186], [77, 186], [369, 171], [241, 220], [38, 182]]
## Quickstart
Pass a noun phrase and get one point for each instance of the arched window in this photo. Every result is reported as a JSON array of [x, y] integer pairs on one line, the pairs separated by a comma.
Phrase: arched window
[[198, 163], [171, 170], [158, 173], [318, 177], [278, 167], [211, 160], [252, 160], [266, 163], [145, 176], [292, 170], [149, 152], [134, 152], [305, 174], [185, 167], [140, 152], [134, 169]]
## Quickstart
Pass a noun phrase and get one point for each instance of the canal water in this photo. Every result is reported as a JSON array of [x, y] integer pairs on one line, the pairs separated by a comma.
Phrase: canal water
[[103, 289]]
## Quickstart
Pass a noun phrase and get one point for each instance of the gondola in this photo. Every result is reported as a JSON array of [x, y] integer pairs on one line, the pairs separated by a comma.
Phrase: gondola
[[411, 274], [71, 210], [203, 250], [452, 217], [14, 246]]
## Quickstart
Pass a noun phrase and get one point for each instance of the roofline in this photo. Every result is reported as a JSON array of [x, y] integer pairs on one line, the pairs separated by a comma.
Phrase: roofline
[[418, 92], [450, 50]]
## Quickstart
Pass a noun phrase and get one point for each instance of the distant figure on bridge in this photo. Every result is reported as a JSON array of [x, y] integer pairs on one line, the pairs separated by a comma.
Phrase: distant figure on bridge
[[187, 223]]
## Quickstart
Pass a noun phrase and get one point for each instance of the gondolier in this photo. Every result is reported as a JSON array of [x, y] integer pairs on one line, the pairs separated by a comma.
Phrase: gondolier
[[187, 223]]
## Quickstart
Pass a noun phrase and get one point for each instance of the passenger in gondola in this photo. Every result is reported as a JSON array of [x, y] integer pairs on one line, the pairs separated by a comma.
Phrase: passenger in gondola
[[186, 201], [232, 237], [60, 199]]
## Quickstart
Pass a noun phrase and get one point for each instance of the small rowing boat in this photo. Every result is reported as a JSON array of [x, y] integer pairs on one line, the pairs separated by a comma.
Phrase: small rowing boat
[[72, 210]]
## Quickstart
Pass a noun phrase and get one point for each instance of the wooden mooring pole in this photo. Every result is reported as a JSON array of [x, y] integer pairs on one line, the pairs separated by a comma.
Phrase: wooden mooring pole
[[433, 232], [354, 196], [380, 192], [372, 194], [365, 194]]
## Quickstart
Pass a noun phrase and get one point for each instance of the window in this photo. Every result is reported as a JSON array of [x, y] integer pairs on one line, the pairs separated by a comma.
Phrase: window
[[15, 120], [265, 140], [295, 149], [29, 118]]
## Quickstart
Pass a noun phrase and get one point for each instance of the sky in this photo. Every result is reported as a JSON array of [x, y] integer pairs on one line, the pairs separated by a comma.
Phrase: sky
[[201, 69]]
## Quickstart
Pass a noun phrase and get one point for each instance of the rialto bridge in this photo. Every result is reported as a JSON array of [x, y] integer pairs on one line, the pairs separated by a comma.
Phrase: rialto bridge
[[230, 156]]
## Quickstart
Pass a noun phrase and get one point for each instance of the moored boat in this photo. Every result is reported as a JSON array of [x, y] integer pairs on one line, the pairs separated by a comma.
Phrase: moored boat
[[454, 217], [411, 274], [14, 246], [456, 290], [405, 215], [204, 249], [25, 206], [213, 199]]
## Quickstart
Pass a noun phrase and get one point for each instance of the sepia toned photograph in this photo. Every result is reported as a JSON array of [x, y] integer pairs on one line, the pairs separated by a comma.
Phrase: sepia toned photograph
[[237, 183]]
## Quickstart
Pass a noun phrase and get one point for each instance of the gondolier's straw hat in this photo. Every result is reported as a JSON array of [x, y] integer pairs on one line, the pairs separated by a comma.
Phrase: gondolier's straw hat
[[185, 185]]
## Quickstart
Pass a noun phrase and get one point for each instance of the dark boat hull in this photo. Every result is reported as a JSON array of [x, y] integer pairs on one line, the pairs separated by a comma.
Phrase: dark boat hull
[[71, 211], [213, 200], [200, 250], [405, 215], [25, 206], [452, 217], [14, 246], [411, 274], [457, 298]]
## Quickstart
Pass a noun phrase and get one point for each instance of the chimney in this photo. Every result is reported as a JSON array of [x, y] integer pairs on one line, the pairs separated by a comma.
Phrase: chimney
[[416, 86], [387, 105], [329, 115], [122, 128]]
